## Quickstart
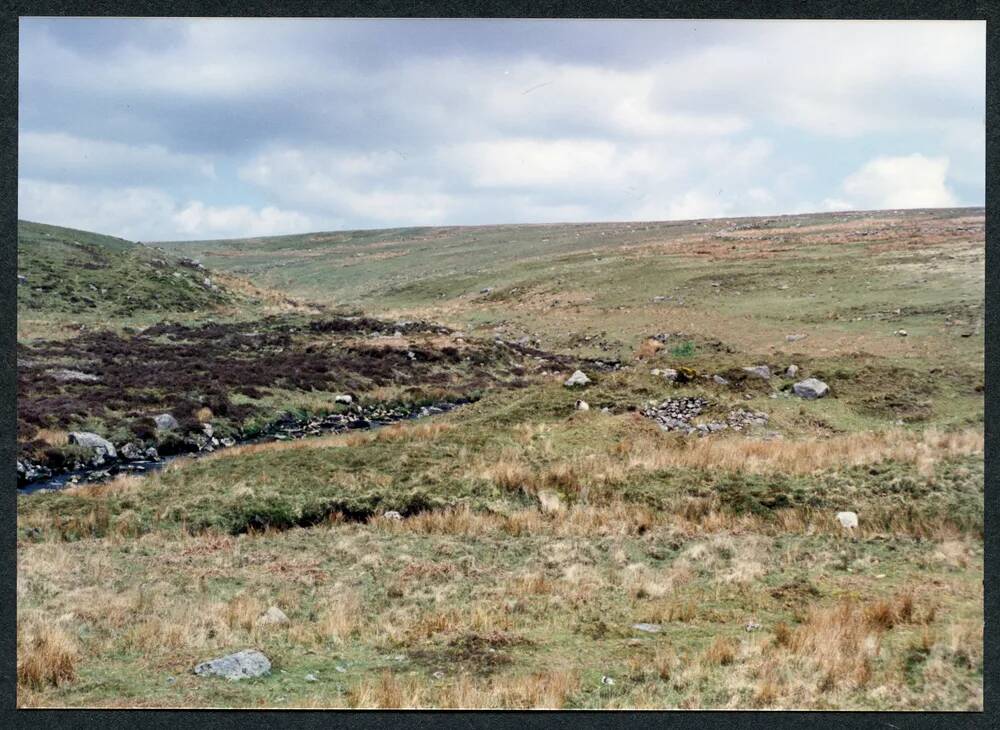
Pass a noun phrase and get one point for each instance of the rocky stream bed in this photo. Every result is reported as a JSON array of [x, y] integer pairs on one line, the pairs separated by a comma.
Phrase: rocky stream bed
[[128, 459]]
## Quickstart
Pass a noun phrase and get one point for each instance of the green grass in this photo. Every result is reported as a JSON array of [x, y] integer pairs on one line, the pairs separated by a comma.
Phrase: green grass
[[487, 595]]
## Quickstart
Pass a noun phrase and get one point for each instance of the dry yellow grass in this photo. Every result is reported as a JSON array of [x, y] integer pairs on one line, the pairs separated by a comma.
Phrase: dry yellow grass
[[720, 652], [46, 655], [648, 348], [802, 456], [53, 436]]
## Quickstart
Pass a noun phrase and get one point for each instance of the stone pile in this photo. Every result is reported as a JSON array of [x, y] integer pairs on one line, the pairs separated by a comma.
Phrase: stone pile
[[675, 414]]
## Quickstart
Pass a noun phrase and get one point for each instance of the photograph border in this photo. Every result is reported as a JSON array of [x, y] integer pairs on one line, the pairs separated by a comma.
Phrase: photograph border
[[694, 9]]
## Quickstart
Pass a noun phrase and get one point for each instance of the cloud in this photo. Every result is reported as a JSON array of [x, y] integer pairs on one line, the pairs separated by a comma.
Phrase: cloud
[[913, 181], [71, 158], [374, 122], [198, 219], [143, 213]]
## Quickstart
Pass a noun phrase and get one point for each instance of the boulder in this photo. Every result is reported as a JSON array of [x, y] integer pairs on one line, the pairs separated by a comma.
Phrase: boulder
[[165, 422], [848, 520], [810, 388], [207, 429], [393, 515], [647, 628], [669, 374], [131, 452], [89, 440], [719, 380], [759, 371], [242, 664], [345, 399], [66, 375], [272, 616], [577, 378], [792, 371]]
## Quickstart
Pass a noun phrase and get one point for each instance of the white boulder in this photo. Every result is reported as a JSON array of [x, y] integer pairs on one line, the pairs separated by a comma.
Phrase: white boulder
[[577, 378], [165, 422], [89, 440], [848, 520], [242, 664], [810, 388]]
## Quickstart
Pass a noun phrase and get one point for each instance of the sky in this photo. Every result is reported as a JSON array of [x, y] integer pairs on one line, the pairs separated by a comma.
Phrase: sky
[[167, 129]]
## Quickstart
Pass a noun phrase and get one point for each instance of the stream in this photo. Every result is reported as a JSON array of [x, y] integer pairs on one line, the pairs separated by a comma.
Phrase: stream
[[283, 430]]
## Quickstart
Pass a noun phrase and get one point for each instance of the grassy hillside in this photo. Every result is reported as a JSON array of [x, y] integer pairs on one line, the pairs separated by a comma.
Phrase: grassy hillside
[[522, 551], [68, 276], [847, 280]]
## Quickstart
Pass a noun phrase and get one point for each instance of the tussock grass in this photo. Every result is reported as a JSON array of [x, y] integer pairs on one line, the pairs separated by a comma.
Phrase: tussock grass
[[46, 655], [798, 456]]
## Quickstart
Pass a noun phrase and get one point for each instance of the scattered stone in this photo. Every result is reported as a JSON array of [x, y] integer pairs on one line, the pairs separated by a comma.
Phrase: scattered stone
[[848, 520], [577, 378], [207, 429], [242, 664], [101, 446], [719, 380], [648, 628], [66, 375], [582, 405], [759, 371], [810, 388], [792, 371], [272, 616], [393, 515], [165, 422], [675, 414], [794, 338], [131, 452]]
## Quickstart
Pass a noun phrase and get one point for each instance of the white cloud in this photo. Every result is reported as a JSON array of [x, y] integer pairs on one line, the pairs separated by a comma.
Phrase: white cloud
[[833, 204], [144, 214], [370, 123], [530, 162], [133, 213], [913, 181], [69, 157], [206, 221]]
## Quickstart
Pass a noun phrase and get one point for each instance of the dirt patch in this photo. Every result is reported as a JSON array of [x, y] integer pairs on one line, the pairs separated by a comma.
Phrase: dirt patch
[[481, 654]]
